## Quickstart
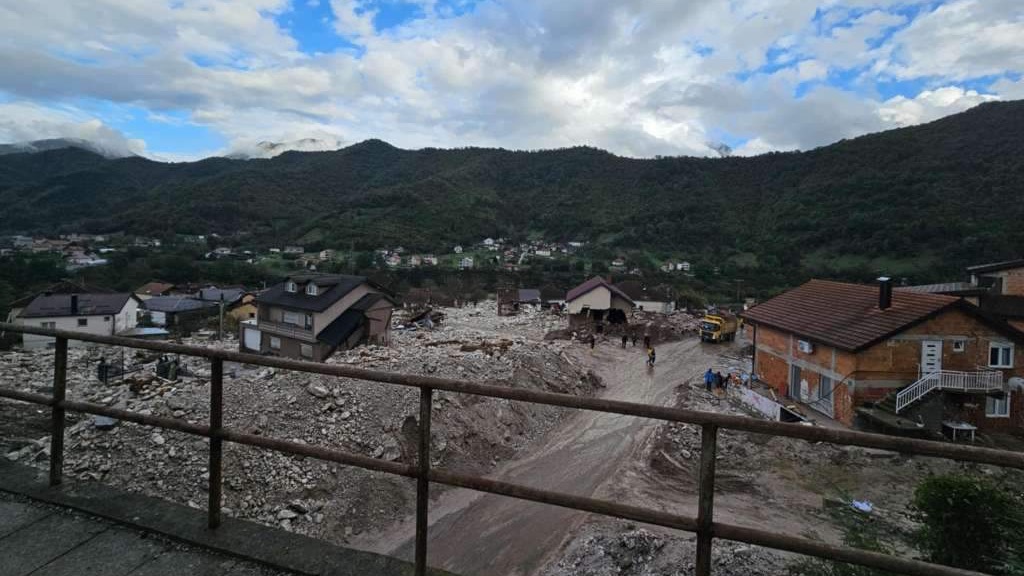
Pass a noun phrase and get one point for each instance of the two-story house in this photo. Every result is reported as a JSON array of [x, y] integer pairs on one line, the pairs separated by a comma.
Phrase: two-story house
[[904, 360], [310, 316]]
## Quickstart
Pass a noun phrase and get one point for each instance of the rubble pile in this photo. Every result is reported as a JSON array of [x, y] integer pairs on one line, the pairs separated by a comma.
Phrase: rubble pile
[[629, 551], [377, 420]]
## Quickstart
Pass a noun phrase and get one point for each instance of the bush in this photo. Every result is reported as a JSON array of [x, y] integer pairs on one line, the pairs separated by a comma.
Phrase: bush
[[970, 522]]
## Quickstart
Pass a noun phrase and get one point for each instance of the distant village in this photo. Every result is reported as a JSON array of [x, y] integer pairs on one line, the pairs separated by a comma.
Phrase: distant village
[[88, 250]]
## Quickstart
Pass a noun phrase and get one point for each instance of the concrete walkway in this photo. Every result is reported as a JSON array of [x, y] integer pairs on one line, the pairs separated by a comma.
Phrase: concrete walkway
[[44, 540], [89, 529]]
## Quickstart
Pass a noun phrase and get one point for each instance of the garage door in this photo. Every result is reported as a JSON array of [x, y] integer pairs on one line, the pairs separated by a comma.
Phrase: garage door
[[252, 339]]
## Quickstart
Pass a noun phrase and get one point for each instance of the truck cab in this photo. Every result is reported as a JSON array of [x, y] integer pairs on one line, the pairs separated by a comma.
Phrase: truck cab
[[718, 327]]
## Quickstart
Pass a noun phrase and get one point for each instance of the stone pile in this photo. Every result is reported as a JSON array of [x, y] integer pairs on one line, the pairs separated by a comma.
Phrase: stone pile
[[378, 420], [629, 551]]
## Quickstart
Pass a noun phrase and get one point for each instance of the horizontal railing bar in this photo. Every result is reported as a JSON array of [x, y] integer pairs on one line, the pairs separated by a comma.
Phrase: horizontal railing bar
[[991, 456], [846, 554], [584, 504], [580, 503]]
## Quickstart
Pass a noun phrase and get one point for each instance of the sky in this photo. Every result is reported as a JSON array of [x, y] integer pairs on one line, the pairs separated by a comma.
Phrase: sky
[[179, 80]]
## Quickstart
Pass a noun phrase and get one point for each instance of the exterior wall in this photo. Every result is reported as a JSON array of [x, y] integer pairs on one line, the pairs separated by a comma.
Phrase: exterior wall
[[322, 319], [291, 348], [1012, 281], [379, 328], [652, 306], [777, 352], [599, 298], [243, 312]]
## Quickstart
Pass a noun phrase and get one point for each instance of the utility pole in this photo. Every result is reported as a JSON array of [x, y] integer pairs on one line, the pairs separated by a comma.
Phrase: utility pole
[[220, 328], [739, 283]]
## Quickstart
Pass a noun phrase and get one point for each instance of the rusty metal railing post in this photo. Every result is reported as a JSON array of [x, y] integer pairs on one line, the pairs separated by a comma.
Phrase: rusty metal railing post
[[216, 443], [422, 482], [706, 503], [60, 383]]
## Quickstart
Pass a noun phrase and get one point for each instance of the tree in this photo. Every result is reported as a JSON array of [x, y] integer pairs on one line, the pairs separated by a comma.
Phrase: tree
[[970, 522]]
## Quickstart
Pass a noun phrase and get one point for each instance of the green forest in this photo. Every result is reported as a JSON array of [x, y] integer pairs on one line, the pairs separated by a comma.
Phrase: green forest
[[919, 202]]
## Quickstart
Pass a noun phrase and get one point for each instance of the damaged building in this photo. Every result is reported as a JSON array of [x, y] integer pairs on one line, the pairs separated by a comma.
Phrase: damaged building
[[597, 302], [310, 316]]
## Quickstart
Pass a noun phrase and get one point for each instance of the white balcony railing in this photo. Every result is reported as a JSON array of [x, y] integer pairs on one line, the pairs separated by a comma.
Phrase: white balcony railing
[[985, 381], [289, 330]]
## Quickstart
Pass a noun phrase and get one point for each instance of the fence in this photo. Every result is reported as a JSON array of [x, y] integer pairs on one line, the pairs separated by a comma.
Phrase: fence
[[703, 524], [981, 381]]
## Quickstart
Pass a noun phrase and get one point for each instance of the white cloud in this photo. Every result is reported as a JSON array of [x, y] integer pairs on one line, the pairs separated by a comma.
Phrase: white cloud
[[636, 77], [930, 105], [24, 121]]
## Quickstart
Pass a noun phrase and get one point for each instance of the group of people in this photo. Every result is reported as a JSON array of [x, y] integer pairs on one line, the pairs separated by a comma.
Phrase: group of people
[[716, 380]]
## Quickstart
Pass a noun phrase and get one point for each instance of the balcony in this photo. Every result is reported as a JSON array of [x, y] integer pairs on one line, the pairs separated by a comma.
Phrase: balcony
[[286, 330]]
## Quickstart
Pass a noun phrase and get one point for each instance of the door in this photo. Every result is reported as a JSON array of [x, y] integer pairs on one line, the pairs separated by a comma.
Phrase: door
[[931, 356], [794, 381]]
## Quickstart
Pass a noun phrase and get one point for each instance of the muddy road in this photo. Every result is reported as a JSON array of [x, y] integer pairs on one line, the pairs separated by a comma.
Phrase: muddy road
[[477, 534]]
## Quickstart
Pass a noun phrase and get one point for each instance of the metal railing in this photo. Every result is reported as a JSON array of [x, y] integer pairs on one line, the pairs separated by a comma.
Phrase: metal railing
[[949, 380], [283, 329], [703, 524]]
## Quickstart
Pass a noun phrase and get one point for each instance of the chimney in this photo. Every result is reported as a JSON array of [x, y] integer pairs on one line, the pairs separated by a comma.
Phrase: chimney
[[74, 304], [884, 293]]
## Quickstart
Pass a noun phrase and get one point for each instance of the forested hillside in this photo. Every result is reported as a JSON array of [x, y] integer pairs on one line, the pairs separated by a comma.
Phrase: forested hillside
[[927, 199]]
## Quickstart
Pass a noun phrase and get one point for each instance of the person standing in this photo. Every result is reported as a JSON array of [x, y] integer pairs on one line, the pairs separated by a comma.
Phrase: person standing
[[709, 379], [625, 339], [650, 357], [719, 380], [634, 339], [593, 341], [647, 341]]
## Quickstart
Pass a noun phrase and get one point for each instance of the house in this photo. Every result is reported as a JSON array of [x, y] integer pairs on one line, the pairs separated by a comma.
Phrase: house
[[430, 260], [656, 299], [154, 288], [683, 266], [551, 295], [179, 312], [62, 287], [415, 260], [528, 296], [394, 260], [294, 250], [92, 313], [596, 302], [326, 255], [466, 263], [488, 242], [901, 360], [618, 265], [238, 303], [543, 253], [998, 288], [457, 250], [310, 316]]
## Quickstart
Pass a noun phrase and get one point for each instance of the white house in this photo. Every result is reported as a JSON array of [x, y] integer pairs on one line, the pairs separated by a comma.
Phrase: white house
[[466, 263], [104, 314], [458, 250]]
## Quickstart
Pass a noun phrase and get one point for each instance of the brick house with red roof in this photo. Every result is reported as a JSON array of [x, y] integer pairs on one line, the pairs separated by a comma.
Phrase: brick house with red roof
[[901, 360]]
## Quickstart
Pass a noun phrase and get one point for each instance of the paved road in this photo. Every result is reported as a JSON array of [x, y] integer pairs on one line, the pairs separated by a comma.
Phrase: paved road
[[46, 541], [481, 534]]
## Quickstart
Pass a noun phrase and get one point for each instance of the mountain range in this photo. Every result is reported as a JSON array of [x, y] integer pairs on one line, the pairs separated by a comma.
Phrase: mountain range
[[922, 201]]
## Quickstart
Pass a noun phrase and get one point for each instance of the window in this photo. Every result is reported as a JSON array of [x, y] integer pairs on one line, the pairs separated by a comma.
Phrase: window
[[83, 321], [309, 321], [289, 286], [998, 407], [275, 343], [1000, 355], [959, 345], [306, 350], [311, 289], [50, 325], [294, 318]]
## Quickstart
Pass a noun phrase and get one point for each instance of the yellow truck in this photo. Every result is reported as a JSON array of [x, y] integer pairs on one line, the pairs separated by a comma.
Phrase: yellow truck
[[718, 327]]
